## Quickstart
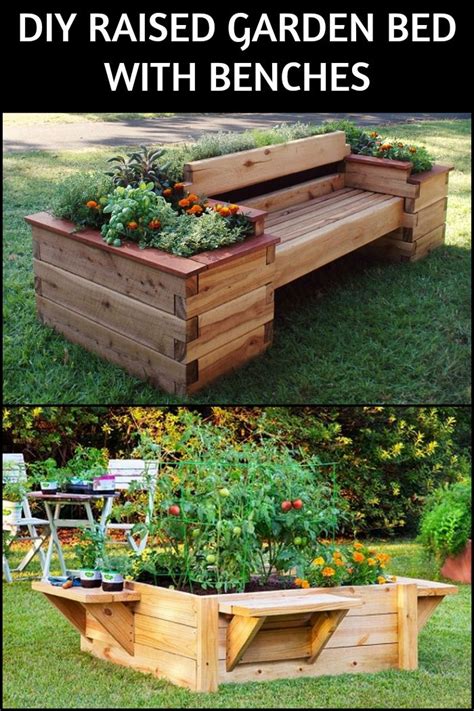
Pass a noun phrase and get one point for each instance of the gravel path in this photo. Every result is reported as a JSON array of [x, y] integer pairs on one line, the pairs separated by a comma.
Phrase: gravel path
[[74, 136]]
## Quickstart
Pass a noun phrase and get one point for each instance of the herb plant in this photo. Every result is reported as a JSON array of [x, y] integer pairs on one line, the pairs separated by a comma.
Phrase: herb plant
[[81, 197], [445, 526]]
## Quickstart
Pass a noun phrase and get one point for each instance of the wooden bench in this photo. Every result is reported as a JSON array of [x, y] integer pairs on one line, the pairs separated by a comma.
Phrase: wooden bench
[[248, 617], [183, 322]]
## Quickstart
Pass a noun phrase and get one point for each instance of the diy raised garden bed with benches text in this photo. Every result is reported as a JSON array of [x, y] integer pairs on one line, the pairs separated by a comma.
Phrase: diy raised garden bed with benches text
[[202, 641], [182, 322]]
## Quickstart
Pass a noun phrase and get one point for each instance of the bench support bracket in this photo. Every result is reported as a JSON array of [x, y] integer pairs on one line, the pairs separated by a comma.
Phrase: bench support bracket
[[323, 626], [240, 633]]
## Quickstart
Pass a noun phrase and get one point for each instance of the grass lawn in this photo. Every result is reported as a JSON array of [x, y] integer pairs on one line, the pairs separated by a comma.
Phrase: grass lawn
[[43, 667], [354, 331]]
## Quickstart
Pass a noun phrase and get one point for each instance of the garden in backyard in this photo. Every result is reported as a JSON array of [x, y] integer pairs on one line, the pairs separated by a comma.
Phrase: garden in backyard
[[237, 557], [408, 321]]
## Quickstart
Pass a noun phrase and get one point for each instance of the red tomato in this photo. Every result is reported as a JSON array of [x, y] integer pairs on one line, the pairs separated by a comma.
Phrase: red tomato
[[174, 510], [286, 506], [298, 504]]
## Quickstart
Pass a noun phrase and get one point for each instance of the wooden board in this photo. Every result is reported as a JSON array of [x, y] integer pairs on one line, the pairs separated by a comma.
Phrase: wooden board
[[127, 353], [299, 256], [168, 636], [407, 603], [382, 179], [297, 194], [430, 217], [430, 191], [206, 649], [172, 605], [219, 175], [86, 595], [348, 660], [269, 606]]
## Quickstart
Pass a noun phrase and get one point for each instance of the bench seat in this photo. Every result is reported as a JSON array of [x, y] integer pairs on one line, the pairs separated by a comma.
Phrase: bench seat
[[318, 231]]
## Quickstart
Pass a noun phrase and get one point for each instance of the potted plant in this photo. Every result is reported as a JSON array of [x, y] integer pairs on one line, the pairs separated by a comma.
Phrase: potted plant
[[13, 494], [90, 550], [445, 529], [48, 475], [88, 472], [113, 572]]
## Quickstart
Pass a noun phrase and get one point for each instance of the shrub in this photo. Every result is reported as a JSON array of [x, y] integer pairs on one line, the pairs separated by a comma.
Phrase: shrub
[[344, 565], [81, 197], [445, 525], [141, 166]]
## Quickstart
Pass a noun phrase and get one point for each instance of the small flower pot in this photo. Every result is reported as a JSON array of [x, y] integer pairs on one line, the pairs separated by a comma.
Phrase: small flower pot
[[90, 578], [49, 487], [11, 511], [79, 486], [104, 484], [112, 581]]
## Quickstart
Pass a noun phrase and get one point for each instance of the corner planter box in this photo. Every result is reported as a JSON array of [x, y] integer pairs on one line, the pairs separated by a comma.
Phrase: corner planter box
[[425, 204], [178, 322], [200, 642]]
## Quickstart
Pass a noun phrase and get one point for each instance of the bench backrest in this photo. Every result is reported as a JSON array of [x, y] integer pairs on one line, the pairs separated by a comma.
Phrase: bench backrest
[[14, 467], [216, 176], [132, 470]]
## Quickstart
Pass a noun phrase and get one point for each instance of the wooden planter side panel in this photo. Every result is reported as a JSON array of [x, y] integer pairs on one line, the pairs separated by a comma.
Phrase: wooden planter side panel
[[179, 332], [425, 220]]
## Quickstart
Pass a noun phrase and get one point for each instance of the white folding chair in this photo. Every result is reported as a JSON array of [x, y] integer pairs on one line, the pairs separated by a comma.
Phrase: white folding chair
[[144, 473], [13, 471]]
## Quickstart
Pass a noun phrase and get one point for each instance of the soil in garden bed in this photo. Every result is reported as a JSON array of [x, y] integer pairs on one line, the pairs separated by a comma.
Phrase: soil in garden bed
[[275, 582]]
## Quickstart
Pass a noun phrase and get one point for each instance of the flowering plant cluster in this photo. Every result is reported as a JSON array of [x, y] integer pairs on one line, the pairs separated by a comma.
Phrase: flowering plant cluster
[[357, 564], [379, 147]]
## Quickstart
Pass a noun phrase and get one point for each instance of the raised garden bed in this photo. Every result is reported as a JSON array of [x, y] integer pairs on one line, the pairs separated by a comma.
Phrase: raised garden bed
[[200, 642], [182, 322]]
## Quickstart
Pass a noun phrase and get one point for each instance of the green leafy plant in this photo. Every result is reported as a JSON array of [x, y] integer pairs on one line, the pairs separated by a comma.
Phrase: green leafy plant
[[141, 166], [15, 490], [47, 470], [81, 198], [445, 526], [117, 564], [87, 463], [90, 548]]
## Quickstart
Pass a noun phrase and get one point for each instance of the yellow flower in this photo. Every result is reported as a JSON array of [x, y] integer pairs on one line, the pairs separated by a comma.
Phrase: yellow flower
[[358, 546], [336, 555], [371, 561], [298, 582], [328, 572], [305, 584], [318, 561], [339, 562], [381, 580], [393, 579]]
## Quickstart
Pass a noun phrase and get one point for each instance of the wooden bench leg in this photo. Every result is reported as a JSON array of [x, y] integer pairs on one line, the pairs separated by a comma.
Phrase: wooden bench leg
[[240, 633], [323, 626], [407, 604], [72, 610], [426, 607], [117, 619]]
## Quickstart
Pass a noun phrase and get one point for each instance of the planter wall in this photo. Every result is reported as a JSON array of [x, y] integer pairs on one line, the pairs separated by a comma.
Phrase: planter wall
[[175, 321], [459, 567], [425, 204], [189, 639]]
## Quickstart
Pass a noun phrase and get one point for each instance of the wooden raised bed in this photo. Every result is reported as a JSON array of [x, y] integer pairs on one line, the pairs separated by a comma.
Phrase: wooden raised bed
[[200, 642], [182, 322]]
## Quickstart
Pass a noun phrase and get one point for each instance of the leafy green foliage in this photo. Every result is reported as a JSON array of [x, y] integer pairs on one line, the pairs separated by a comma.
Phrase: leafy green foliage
[[90, 548], [445, 525], [141, 166], [15, 490], [74, 192]]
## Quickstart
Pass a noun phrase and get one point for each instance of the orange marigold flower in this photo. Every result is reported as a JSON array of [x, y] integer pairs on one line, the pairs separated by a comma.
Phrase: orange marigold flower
[[374, 134], [132, 225], [412, 149], [298, 582], [319, 560], [338, 561], [234, 208], [385, 147], [154, 224], [358, 557], [184, 203], [167, 192], [194, 210], [218, 207], [305, 584], [350, 570], [91, 204], [337, 555], [371, 561], [178, 186], [192, 197], [381, 580], [224, 212], [357, 546], [328, 572]]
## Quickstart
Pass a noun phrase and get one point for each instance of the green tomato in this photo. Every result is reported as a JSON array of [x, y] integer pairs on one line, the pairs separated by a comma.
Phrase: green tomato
[[224, 492], [211, 558], [195, 532], [297, 541], [236, 530]]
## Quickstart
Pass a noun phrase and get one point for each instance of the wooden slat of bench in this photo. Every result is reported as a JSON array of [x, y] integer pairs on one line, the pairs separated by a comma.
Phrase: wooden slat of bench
[[311, 224], [268, 607], [338, 210], [85, 595], [429, 587], [218, 175], [296, 194], [280, 215], [296, 257]]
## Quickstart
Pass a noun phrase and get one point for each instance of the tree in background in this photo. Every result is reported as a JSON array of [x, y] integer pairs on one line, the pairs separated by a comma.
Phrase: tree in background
[[388, 458]]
